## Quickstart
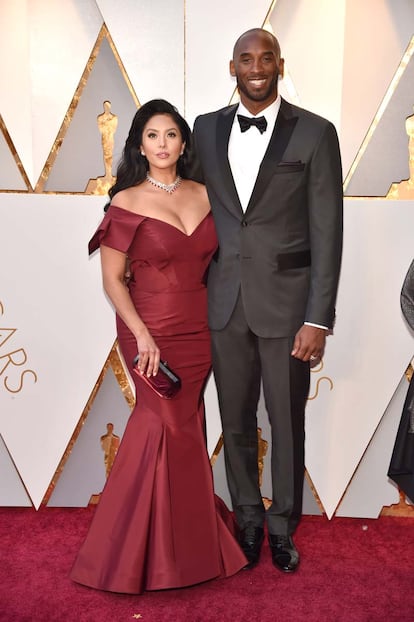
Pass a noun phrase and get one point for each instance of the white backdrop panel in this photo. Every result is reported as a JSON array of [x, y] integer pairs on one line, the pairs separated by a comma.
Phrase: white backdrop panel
[[306, 30], [15, 94], [12, 491], [377, 33], [10, 176], [51, 293], [211, 31], [50, 49], [149, 37], [85, 469], [370, 488], [371, 346]]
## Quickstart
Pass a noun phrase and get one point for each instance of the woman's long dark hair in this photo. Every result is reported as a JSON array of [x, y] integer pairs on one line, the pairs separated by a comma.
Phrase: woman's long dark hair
[[133, 166]]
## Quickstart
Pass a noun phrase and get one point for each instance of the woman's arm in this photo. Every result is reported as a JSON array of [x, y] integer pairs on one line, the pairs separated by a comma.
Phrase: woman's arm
[[113, 275]]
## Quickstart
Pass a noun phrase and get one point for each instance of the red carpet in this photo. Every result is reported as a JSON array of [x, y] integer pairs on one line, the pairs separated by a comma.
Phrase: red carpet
[[352, 570]]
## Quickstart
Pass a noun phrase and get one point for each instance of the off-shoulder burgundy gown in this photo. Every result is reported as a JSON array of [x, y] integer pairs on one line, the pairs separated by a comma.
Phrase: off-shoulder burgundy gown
[[158, 524]]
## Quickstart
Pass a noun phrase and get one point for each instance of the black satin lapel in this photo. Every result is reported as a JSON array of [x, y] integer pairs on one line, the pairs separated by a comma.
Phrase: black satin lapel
[[224, 125], [282, 132]]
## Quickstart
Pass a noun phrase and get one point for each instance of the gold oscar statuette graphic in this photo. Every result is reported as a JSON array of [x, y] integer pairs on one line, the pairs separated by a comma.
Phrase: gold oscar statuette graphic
[[107, 125], [261, 452], [109, 444], [262, 445], [402, 508], [405, 189]]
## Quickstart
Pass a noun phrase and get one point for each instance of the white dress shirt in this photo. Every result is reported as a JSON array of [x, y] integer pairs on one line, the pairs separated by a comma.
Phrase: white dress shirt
[[246, 149]]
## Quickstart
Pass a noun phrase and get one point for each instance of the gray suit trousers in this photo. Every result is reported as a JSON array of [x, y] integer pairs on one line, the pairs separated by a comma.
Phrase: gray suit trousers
[[241, 361]]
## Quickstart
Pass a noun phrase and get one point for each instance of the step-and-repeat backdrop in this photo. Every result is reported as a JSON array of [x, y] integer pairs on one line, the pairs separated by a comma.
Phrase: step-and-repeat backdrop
[[73, 73]]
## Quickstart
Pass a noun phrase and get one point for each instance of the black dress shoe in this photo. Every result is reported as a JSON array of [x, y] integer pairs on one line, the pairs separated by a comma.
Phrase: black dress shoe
[[285, 555], [251, 540]]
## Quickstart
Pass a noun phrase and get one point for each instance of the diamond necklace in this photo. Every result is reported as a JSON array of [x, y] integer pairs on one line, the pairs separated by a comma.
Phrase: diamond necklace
[[167, 187]]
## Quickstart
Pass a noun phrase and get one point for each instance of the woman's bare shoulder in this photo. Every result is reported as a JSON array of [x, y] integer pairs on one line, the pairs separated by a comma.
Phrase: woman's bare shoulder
[[128, 199]]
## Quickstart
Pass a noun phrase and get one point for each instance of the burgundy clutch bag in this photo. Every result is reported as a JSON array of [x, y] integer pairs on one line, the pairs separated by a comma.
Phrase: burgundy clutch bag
[[165, 383]]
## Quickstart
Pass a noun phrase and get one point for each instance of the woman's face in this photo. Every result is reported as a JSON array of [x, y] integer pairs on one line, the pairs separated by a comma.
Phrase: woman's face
[[162, 142]]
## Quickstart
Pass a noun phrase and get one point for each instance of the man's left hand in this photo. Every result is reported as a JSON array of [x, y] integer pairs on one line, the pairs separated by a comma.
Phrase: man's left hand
[[309, 343]]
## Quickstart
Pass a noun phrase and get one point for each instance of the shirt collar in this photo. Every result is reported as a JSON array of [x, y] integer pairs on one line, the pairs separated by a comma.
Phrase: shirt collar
[[270, 113]]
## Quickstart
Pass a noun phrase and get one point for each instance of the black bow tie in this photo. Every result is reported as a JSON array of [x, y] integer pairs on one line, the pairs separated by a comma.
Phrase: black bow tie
[[246, 122]]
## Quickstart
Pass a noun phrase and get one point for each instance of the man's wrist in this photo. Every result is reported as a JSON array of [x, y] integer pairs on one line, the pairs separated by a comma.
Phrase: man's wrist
[[316, 325]]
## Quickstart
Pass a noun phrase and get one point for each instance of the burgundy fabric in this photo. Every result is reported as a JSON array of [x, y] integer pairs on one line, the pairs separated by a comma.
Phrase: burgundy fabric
[[156, 525]]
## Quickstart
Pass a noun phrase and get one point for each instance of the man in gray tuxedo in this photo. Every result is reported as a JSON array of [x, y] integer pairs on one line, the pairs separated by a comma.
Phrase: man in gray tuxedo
[[273, 175]]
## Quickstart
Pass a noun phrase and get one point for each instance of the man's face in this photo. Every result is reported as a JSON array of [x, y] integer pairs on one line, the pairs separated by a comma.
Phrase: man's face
[[256, 65]]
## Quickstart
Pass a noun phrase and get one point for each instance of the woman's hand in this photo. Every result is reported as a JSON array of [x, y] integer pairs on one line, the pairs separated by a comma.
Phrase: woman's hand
[[149, 354]]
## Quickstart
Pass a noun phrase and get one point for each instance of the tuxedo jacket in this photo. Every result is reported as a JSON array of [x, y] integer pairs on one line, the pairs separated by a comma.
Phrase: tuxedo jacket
[[284, 251]]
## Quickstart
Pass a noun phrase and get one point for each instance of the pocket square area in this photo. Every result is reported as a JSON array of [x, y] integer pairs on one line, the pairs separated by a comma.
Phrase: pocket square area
[[287, 167]]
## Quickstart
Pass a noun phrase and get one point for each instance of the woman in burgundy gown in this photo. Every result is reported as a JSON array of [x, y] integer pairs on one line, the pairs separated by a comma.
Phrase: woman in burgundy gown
[[158, 524]]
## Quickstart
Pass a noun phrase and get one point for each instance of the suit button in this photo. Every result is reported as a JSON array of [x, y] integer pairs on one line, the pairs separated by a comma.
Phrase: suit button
[[244, 223]]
